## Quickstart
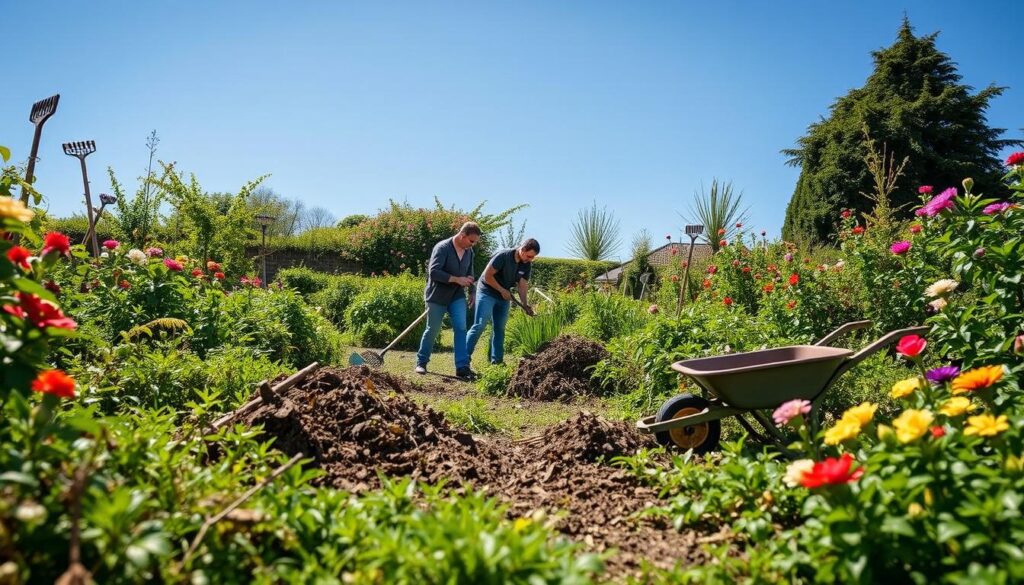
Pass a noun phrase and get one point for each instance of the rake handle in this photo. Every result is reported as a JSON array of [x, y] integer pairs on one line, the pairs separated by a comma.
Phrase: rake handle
[[401, 335]]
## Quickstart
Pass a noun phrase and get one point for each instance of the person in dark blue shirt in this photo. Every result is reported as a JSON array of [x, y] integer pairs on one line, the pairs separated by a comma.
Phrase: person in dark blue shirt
[[449, 274], [506, 270]]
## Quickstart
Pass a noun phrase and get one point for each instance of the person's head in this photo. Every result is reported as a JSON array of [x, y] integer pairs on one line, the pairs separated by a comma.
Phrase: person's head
[[469, 234], [529, 250]]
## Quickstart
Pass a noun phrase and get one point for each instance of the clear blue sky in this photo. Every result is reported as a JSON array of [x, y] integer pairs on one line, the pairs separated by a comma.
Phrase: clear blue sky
[[549, 103]]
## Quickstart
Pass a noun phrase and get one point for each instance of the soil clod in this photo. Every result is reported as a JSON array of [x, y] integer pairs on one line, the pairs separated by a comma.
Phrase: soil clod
[[559, 371]]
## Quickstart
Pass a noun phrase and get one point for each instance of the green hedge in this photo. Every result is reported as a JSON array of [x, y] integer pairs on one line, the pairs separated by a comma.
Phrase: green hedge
[[558, 273]]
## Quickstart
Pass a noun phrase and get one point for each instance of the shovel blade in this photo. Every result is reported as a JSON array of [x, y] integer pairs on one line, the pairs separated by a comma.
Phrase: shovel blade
[[356, 360]]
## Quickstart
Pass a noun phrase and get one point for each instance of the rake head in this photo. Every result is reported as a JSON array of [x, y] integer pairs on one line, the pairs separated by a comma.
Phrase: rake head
[[372, 358], [81, 149], [107, 199], [694, 230], [43, 109]]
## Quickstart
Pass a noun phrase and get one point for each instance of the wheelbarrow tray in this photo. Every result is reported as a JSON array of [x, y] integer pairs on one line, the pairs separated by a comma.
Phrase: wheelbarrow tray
[[767, 378]]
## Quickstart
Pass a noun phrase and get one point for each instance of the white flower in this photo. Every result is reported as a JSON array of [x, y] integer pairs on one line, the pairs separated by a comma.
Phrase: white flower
[[796, 470], [138, 257], [941, 288], [938, 304], [840, 265], [104, 255], [30, 512]]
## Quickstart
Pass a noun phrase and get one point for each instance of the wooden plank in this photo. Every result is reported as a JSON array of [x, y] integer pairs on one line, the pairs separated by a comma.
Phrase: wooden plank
[[266, 391]]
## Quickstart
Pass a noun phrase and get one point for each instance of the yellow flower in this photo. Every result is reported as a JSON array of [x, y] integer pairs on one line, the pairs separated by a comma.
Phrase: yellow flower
[[521, 524], [956, 406], [914, 510], [912, 424], [862, 413], [904, 387], [883, 431], [844, 430], [977, 379], [986, 425], [14, 208], [941, 288]]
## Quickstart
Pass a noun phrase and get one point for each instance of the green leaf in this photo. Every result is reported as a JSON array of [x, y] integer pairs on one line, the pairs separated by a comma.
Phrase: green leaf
[[18, 477], [950, 529], [5, 153], [29, 286], [897, 525]]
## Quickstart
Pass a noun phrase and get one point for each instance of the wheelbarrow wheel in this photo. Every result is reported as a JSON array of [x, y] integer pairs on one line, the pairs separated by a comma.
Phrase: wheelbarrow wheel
[[702, 438]]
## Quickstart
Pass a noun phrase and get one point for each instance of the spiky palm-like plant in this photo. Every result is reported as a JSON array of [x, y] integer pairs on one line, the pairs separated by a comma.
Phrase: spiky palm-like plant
[[595, 234], [719, 210]]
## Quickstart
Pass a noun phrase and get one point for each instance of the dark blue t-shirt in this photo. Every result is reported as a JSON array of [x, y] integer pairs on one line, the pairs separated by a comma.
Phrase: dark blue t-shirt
[[506, 271]]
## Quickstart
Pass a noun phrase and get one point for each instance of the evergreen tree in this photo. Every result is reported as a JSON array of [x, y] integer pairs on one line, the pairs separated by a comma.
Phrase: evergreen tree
[[914, 103]]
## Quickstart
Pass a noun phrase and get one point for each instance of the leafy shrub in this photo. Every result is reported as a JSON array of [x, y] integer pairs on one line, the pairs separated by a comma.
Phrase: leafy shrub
[[553, 274], [386, 306], [494, 379], [605, 316], [524, 334], [304, 280], [335, 299]]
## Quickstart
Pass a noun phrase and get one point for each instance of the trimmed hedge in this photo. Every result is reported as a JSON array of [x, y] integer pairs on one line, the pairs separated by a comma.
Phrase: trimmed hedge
[[559, 273]]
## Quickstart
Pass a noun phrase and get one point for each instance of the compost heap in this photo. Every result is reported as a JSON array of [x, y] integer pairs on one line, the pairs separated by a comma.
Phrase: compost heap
[[356, 422], [559, 371]]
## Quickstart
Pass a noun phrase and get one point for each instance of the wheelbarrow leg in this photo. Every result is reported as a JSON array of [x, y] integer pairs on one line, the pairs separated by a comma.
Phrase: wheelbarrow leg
[[751, 430]]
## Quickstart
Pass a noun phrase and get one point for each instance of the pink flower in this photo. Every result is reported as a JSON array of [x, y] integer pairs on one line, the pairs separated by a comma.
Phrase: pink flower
[[154, 252], [653, 309], [940, 202], [111, 244], [996, 208], [911, 345], [173, 264], [915, 229], [925, 189], [788, 257], [900, 248], [790, 410]]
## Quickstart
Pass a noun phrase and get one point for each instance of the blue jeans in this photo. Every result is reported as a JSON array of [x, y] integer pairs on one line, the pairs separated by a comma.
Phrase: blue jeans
[[435, 313], [489, 309]]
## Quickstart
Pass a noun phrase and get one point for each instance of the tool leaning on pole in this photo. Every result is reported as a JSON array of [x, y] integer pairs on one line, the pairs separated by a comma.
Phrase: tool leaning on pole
[[80, 150]]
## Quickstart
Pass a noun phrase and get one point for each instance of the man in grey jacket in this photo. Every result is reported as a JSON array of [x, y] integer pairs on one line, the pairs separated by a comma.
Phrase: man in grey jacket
[[449, 274]]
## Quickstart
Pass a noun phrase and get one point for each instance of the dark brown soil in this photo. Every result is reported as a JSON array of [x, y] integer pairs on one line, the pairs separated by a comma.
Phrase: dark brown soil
[[559, 371], [357, 422]]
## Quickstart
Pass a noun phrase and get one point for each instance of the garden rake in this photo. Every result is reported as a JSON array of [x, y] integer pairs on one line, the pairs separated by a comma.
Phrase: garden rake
[[41, 112], [80, 150], [376, 358]]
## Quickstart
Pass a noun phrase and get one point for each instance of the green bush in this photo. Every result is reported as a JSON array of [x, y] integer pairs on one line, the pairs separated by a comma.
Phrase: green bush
[[559, 273], [304, 280], [606, 316], [524, 334], [335, 299], [386, 306], [494, 379], [279, 323]]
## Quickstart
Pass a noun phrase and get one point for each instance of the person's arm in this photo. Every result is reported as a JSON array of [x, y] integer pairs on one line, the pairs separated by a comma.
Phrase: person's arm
[[489, 273], [522, 287], [436, 267]]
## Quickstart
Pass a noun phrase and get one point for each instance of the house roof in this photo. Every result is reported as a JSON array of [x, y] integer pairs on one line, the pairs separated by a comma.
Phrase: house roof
[[661, 256]]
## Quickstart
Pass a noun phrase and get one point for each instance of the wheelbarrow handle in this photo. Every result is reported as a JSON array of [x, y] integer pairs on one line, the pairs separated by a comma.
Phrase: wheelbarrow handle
[[843, 330], [882, 342]]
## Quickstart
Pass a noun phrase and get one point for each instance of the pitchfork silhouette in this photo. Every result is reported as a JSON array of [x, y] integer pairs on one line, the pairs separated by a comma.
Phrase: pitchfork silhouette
[[80, 150], [41, 112]]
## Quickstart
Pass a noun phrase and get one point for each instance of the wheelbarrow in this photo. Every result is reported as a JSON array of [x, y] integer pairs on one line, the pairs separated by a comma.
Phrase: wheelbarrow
[[742, 384]]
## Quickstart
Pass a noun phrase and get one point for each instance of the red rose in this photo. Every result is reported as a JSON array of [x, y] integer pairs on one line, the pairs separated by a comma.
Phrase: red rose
[[39, 312], [746, 269], [54, 382], [19, 256], [727, 301], [846, 214], [832, 471], [218, 275], [857, 230], [793, 279], [911, 345], [712, 269], [111, 244], [56, 242], [721, 232]]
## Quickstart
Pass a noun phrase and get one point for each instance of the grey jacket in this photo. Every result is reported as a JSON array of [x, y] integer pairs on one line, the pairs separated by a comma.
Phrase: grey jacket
[[445, 263]]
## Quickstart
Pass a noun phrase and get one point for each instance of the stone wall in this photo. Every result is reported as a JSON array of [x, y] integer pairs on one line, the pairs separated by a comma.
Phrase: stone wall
[[326, 261]]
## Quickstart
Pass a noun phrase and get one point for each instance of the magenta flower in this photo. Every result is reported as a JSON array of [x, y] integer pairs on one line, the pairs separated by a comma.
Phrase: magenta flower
[[790, 410], [925, 189], [173, 264], [938, 203], [154, 252], [996, 208], [788, 257], [900, 248], [111, 244], [943, 374]]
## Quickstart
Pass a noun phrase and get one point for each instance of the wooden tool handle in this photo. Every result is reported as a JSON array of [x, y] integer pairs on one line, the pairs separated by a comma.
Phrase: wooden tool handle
[[406, 332]]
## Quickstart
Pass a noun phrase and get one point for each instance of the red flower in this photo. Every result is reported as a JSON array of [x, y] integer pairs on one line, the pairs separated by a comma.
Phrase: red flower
[[727, 301], [124, 284], [925, 189], [111, 244], [1015, 159], [197, 272], [712, 269], [911, 345], [794, 279], [19, 255], [832, 471], [52, 287], [218, 275], [56, 242], [723, 243], [675, 278], [857, 230], [212, 266], [721, 231], [674, 251], [735, 263], [683, 264], [746, 269], [938, 432], [739, 225], [173, 264], [846, 214], [706, 283], [256, 282], [772, 268], [915, 229], [653, 309], [769, 287], [40, 312], [54, 382], [791, 305]]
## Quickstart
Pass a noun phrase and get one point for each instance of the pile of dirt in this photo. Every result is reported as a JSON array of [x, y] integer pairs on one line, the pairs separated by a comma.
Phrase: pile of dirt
[[559, 371], [587, 438], [355, 422]]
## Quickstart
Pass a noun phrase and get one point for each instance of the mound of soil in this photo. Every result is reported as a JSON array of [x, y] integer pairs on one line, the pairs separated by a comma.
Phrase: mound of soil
[[587, 438], [355, 422], [559, 371]]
